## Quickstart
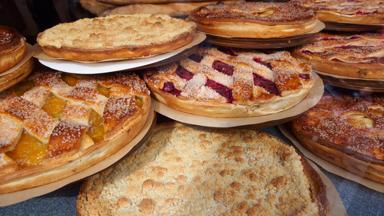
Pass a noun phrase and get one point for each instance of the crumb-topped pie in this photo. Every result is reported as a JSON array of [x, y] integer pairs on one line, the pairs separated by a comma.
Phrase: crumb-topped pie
[[219, 82], [363, 12], [256, 20], [347, 131], [53, 125], [356, 56], [12, 48], [116, 37], [186, 170]]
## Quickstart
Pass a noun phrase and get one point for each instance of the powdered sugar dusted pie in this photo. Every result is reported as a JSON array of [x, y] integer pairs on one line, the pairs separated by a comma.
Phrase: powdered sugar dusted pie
[[186, 170], [221, 82], [257, 20], [116, 37], [54, 125], [347, 131], [357, 56], [354, 12]]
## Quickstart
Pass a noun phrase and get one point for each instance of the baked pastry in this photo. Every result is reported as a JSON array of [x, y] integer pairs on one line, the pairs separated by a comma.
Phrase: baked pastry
[[129, 2], [181, 9], [116, 37], [357, 56], [219, 82], [353, 12], [347, 131], [95, 6], [186, 170], [257, 20], [54, 125], [12, 48]]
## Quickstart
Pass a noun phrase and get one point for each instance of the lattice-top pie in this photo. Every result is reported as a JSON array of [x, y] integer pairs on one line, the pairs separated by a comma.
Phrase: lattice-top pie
[[359, 56], [227, 83], [53, 125], [367, 12], [116, 37], [256, 20], [12, 48], [348, 131]]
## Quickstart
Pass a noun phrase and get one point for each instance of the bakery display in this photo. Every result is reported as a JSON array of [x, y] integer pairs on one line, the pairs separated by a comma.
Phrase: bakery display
[[13, 48], [262, 20], [361, 12], [186, 170], [116, 37], [354, 56], [218, 82], [96, 7], [346, 130], [53, 125]]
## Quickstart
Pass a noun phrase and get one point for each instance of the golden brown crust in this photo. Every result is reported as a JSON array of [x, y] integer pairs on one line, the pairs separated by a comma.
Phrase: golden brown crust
[[218, 178], [128, 2], [12, 48], [226, 83], [132, 36], [329, 16], [356, 56], [256, 20], [95, 6], [346, 131], [121, 123], [18, 75]]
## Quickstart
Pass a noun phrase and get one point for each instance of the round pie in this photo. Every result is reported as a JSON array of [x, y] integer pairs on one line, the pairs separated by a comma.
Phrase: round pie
[[361, 12], [256, 20], [356, 56], [54, 125], [348, 131], [116, 37], [218, 82], [12, 48], [186, 170]]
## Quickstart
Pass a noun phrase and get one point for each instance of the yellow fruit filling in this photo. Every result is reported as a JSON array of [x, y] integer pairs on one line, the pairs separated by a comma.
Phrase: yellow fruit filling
[[96, 131], [54, 106], [103, 90], [70, 79]]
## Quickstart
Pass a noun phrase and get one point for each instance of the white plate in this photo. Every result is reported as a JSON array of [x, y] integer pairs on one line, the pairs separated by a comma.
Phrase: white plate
[[112, 66]]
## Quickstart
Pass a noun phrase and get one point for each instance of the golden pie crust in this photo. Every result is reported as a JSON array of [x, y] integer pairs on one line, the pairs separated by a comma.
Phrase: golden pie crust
[[12, 48], [95, 6], [256, 20], [130, 2], [347, 131], [54, 125], [355, 56], [116, 37], [359, 12], [185, 170], [218, 82]]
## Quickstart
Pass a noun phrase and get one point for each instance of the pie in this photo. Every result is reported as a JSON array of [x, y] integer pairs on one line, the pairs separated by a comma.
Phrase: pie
[[256, 20], [181, 9], [218, 82], [116, 37], [53, 125], [95, 6], [362, 12], [129, 2], [356, 56], [185, 170], [348, 131], [12, 48]]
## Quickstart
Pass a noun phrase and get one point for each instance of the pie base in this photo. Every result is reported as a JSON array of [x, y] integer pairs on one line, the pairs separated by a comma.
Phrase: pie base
[[364, 168], [227, 110], [117, 54], [332, 16], [363, 71], [241, 29], [65, 166], [12, 56]]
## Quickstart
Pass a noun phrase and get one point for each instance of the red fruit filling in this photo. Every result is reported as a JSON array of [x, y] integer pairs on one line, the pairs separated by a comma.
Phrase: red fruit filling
[[170, 88], [266, 64], [184, 73], [305, 76], [266, 84], [221, 89], [196, 57], [228, 51], [223, 67]]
